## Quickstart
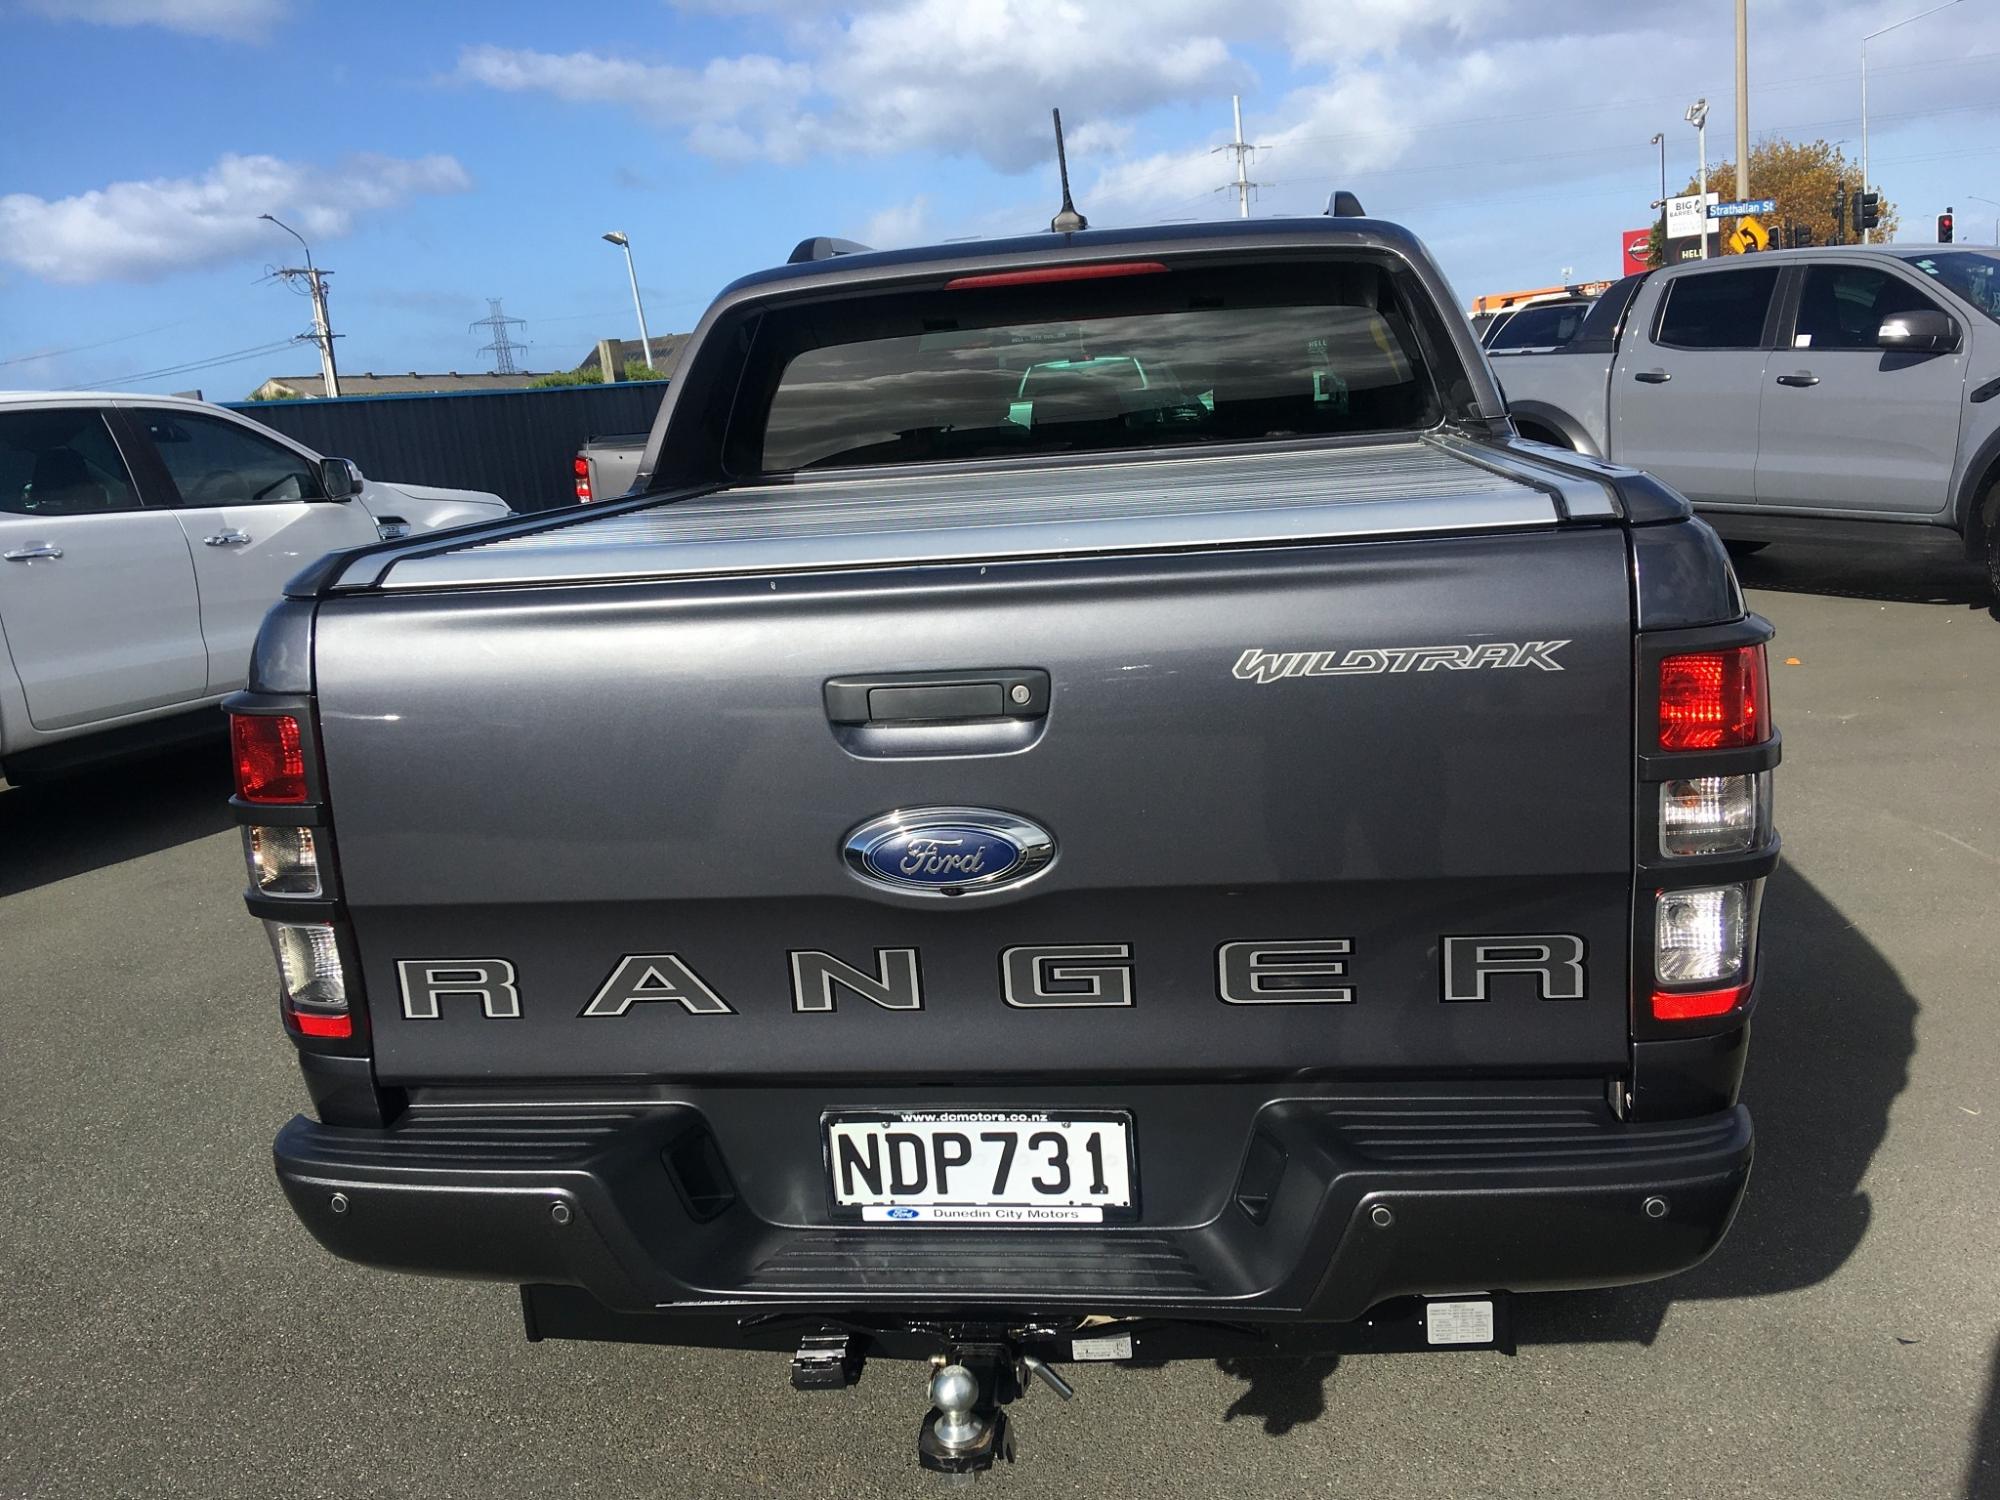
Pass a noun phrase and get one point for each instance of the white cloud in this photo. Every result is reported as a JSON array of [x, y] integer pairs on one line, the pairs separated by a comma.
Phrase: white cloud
[[956, 76], [139, 231], [898, 225], [232, 20], [709, 99], [1515, 106]]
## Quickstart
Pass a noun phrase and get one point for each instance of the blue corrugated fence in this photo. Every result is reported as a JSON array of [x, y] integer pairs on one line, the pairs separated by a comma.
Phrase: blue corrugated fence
[[518, 444]]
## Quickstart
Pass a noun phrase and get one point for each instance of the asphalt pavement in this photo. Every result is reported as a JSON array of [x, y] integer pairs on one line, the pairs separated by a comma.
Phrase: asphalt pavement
[[167, 1329]]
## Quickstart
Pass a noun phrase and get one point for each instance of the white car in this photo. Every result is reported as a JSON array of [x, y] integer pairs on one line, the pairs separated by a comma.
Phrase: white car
[[142, 539]]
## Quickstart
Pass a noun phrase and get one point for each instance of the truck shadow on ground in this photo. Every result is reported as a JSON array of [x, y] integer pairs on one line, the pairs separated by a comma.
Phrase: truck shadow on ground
[[70, 826], [1896, 573], [1832, 1041], [1982, 1468]]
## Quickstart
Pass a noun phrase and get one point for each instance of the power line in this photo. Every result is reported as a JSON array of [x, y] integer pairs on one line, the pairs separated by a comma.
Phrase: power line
[[123, 338], [212, 361]]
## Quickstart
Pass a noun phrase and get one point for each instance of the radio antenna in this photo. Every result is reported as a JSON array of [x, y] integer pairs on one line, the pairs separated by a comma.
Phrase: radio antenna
[[1068, 221]]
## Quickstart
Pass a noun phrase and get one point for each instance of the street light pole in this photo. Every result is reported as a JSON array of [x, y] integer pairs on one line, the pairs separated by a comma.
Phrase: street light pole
[[329, 375], [618, 238], [1948, 4], [1697, 116], [1660, 140], [1742, 99]]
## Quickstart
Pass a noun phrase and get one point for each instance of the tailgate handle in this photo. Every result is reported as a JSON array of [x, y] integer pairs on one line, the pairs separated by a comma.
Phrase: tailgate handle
[[992, 693]]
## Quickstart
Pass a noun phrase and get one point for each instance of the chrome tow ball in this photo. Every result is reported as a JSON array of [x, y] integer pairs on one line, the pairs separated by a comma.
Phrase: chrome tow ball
[[966, 1429]]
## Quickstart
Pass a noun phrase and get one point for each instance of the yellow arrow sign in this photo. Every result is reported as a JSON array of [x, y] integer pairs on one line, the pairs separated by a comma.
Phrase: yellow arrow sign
[[1749, 235]]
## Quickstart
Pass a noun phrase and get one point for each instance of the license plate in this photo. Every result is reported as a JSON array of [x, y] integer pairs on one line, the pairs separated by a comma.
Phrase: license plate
[[980, 1167]]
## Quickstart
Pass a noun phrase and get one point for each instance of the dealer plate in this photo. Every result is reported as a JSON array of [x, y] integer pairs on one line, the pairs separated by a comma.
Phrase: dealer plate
[[981, 1166]]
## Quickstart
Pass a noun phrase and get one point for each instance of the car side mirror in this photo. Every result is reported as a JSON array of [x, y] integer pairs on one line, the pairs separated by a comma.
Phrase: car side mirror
[[1925, 332], [339, 479]]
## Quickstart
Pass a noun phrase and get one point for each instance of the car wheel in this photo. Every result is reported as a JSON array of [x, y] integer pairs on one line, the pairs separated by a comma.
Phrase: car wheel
[[1993, 563]]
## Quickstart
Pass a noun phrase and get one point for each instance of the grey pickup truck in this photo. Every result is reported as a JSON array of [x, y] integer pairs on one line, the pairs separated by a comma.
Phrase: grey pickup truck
[[1215, 849], [1795, 393], [606, 467]]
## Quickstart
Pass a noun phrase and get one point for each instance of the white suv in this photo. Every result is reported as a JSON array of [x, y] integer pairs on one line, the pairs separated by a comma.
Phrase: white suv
[[142, 538]]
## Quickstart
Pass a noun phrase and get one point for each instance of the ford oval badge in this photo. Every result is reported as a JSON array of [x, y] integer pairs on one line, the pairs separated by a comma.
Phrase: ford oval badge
[[948, 851]]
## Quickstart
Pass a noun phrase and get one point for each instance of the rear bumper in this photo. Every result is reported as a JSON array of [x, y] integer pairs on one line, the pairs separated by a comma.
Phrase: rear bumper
[[1256, 1207]]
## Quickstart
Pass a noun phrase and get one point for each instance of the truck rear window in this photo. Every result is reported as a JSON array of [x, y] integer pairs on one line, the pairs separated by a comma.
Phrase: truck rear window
[[1189, 355]]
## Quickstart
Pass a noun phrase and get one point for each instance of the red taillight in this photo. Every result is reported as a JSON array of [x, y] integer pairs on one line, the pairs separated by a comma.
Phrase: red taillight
[[1669, 1005], [582, 469], [270, 757], [310, 1024], [1714, 700], [1094, 272]]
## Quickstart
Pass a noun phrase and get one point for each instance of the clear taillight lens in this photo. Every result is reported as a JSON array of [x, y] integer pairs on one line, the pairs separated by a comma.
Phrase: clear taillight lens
[[1699, 935], [283, 861], [309, 972], [1714, 814]]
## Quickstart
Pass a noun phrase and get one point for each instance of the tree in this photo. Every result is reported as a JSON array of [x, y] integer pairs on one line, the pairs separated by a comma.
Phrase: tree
[[1656, 245], [1803, 178], [635, 369]]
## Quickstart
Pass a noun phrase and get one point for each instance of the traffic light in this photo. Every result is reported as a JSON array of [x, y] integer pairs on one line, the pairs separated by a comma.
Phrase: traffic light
[[1839, 213], [1866, 210], [1944, 227]]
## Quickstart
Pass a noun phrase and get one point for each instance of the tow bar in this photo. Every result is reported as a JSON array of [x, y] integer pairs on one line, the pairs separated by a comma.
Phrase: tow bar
[[975, 1371], [967, 1431]]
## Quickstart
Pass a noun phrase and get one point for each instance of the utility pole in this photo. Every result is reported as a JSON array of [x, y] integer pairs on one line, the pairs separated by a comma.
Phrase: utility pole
[[1865, 184], [1742, 99], [1241, 150], [315, 279], [1697, 116], [502, 348]]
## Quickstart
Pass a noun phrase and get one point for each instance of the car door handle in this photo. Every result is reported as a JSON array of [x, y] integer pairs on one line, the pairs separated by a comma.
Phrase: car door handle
[[1653, 377], [37, 552], [929, 697], [231, 538], [1803, 378]]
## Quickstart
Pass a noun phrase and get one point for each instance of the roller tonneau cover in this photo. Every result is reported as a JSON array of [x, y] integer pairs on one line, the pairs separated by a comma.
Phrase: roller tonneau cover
[[1102, 794], [853, 520]]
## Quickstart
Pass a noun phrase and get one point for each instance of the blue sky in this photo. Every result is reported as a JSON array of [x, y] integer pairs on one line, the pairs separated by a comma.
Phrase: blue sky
[[439, 154]]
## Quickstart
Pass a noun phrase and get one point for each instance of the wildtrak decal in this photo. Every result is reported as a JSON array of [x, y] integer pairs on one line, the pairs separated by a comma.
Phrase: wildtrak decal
[[1259, 665]]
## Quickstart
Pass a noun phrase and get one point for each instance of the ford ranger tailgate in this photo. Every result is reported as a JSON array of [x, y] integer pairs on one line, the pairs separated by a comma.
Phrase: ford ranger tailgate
[[1283, 785]]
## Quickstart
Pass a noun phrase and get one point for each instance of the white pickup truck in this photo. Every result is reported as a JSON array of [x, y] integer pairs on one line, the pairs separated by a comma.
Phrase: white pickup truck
[[142, 538], [1818, 393]]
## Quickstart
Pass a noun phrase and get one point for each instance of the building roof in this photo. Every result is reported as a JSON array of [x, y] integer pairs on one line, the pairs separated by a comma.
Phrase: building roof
[[666, 352], [369, 383]]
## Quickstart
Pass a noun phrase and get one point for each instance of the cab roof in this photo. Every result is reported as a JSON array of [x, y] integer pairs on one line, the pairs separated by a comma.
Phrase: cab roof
[[1086, 244]]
